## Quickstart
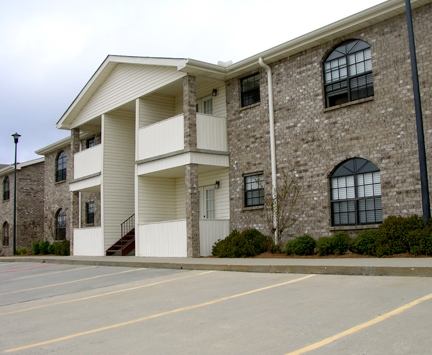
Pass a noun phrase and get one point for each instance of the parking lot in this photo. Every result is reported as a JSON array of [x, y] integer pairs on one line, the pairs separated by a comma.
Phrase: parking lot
[[68, 309]]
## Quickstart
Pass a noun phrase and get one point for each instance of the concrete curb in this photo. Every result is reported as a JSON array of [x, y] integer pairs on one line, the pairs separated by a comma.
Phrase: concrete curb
[[247, 267]]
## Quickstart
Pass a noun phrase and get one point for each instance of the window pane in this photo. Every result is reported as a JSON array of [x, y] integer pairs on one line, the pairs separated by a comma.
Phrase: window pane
[[362, 217], [350, 180], [360, 191], [342, 194], [376, 177], [335, 194], [368, 190], [368, 178], [342, 182], [350, 192], [377, 190], [368, 65], [367, 53]]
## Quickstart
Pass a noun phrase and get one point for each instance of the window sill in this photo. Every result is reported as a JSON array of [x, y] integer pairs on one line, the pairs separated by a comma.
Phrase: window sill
[[250, 106], [354, 228], [60, 182], [253, 208], [356, 102]]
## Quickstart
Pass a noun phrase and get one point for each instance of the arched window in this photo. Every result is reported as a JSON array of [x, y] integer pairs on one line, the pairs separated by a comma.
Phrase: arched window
[[60, 224], [61, 167], [356, 193], [5, 234], [348, 73], [6, 189]]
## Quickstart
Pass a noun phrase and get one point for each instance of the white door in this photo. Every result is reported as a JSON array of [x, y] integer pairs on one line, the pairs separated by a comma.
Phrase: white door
[[207, 202]]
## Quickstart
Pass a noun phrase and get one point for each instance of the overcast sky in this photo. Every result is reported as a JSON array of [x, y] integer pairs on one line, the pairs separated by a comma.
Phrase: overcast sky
[[51, 48]]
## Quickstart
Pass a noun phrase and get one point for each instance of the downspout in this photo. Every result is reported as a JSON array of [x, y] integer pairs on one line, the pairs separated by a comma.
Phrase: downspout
[[272, 145]]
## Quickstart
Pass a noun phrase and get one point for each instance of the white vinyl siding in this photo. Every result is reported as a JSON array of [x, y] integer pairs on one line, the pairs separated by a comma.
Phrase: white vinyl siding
[[118, 184], [210, 232], [88, 242], [155, 108], [181, 198], [157, 199], [167, 239], [88, 162], [211, 133], [125, 84]]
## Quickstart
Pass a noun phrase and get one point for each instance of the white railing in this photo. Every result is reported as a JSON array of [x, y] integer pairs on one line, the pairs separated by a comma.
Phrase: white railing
[[211, 133], [88, 241], [161, 138], [167, 136], [210, 231], [88, 162], [162, 239]]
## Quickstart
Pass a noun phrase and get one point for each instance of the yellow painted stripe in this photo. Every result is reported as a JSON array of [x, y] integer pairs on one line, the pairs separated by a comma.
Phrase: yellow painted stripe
[[48, 273], [104, 294], [155, 316], [69, 282], [360, 326]]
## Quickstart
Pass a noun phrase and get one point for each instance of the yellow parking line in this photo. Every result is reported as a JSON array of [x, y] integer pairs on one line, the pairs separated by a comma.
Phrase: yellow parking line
[[48, 273], [360, 326], [104, 294], [155, 315], [68, 282]]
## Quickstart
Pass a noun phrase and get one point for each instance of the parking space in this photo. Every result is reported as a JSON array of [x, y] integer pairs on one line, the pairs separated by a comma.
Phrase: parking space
[[66, 309]]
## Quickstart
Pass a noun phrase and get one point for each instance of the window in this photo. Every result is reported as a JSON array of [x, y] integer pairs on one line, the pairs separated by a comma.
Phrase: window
[[90, 208], [6, 189], [5, 234], [356, 193], [60, 225], [250, 90], [61, 167], [348, 73], [254, 190], [90, 142]]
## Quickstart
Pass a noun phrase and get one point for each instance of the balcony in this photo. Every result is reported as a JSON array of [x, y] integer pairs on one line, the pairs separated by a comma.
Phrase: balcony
[[167, 137], [87, 169]]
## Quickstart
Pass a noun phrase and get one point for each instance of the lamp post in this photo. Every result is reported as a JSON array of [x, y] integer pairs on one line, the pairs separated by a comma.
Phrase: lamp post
[[16, 137]]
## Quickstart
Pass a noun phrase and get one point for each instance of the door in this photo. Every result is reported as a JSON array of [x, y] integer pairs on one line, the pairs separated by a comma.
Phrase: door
[[207, 202], [205, 105]]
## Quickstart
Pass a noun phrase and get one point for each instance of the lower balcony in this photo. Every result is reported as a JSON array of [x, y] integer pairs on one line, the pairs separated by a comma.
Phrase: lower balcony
[[88, 242], [169, 238]]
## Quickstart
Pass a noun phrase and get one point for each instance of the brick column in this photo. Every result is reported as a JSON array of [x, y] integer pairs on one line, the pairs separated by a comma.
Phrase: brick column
[[74, 207], [192, 211], [191, 170]]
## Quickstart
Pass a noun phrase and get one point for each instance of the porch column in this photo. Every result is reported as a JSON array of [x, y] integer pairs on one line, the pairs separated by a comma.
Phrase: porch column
[[191, 170], [74, 207]]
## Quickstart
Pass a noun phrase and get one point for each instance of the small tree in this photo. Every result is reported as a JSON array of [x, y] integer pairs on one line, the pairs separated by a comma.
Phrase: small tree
[[280, 205]]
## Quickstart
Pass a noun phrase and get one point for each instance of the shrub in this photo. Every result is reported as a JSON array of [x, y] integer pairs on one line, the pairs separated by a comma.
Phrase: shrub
[[324, 246], [36, 247], [341, 242], [250, 242], [337, 244], [22, 251], [61, 248], [364, 243], [43, 247], [304, 245], [392, 235], [420, 242]]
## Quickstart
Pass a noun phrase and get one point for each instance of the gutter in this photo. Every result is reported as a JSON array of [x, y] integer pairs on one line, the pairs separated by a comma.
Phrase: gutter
[[272, 143]]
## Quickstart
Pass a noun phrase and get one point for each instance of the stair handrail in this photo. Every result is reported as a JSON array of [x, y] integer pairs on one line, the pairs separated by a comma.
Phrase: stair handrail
[[127, 226]]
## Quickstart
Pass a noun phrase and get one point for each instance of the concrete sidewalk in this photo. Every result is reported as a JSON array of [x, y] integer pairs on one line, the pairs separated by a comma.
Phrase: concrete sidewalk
[[336, 266]]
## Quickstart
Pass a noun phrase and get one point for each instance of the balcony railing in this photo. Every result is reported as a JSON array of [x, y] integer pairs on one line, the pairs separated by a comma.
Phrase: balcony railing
[[88, 162], [167, 136]]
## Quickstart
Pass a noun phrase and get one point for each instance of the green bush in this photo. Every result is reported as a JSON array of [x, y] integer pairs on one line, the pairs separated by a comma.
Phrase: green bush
[[420, 242], [324, 246], [61, 248], [250, 242], [36, 247], [43, 247], [304, 245], [341, 242], [392, 235], [22, 251], [337, 244], [364, 243]]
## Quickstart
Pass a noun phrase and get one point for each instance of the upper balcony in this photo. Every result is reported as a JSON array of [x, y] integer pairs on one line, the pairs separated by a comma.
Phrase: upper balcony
[[166, 137], [87, 169]]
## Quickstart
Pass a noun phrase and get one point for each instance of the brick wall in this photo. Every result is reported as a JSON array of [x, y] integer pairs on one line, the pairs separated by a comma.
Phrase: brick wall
[[30, 194], [311, 140]]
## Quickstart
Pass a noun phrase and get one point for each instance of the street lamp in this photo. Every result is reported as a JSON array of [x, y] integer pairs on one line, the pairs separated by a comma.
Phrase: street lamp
[[16, 137]]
